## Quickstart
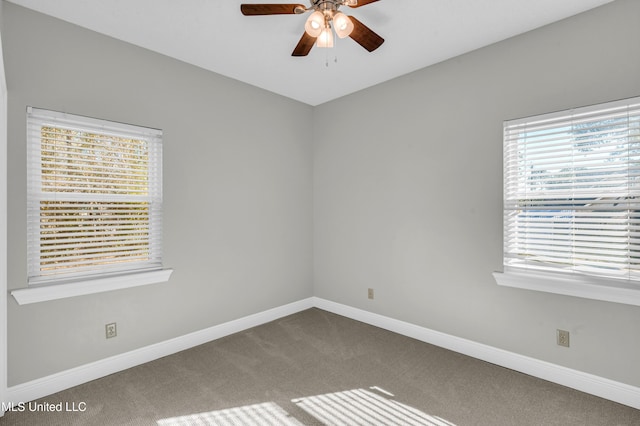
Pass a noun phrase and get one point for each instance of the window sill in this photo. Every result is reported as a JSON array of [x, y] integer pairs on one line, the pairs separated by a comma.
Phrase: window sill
[[25, 296], [571, 285]]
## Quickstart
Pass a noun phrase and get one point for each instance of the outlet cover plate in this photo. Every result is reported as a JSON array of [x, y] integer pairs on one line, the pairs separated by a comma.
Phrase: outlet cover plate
[[562, 338], [110, 330]]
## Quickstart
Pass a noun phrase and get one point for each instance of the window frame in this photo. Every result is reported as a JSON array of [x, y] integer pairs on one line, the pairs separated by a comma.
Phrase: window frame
[[75, 280], [560, 281]]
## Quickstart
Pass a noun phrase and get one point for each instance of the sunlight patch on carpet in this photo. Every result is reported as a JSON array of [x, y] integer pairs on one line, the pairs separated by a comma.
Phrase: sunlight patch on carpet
[[265, 414], [363, 407], [356, 407]]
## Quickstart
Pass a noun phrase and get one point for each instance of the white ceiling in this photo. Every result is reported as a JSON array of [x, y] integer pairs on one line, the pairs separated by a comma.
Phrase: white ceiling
[[214, 35]]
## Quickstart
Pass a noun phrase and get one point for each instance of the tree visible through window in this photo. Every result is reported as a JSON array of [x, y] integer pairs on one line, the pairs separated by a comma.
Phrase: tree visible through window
[[95, 197]]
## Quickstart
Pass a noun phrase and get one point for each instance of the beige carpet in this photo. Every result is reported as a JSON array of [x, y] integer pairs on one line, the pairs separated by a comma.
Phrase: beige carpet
[[316, 368]]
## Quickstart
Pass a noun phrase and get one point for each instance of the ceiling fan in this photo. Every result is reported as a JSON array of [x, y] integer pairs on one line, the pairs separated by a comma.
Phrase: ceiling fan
[[318, 27]]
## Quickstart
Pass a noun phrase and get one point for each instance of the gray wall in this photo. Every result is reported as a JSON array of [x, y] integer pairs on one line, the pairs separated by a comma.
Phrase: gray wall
[[408, 199], [237, 192]]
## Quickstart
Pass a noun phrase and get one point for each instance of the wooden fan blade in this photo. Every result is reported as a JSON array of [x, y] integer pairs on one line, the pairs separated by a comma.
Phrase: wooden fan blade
[[304, 45], [271, 9], [364, 3], [364, 36]]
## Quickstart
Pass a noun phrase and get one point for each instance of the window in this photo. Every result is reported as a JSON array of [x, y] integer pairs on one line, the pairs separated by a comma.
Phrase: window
[[572, 195], [94, 201]]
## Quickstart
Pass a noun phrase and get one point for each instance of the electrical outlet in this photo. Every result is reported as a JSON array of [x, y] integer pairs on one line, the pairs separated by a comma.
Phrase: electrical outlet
[[370, 293], [111, 330], [562, 338]]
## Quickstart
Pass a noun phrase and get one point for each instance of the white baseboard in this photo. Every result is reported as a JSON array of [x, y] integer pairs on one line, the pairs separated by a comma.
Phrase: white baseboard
[[66, 379], [595, 385], [585, 382]]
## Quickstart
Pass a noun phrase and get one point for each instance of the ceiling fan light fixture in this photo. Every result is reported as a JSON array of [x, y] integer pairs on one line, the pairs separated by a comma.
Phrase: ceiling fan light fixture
[[315, 24], [325, 39], [342, 24], [325, 18]]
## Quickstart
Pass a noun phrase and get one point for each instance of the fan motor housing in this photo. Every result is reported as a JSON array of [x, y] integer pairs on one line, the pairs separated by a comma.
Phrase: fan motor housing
[[326, 5]]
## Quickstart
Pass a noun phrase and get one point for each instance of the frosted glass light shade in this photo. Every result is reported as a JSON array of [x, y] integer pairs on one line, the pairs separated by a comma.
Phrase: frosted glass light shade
[[325, 39], [314, 24], [342, 24]]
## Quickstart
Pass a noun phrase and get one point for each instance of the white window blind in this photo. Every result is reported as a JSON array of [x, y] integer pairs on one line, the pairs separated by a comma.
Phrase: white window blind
[[572, 191], [94, 200]]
